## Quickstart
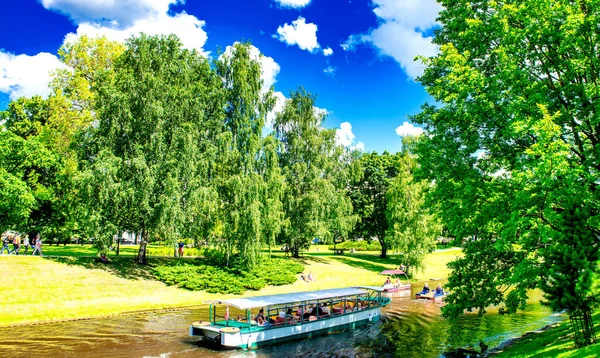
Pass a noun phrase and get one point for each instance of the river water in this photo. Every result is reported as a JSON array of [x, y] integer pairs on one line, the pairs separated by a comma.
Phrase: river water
[[409, 328]]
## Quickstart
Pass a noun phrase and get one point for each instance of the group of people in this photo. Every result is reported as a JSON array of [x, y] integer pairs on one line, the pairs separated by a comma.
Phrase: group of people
[[439, 291], [20, 241], [290, 316], [307, 278]]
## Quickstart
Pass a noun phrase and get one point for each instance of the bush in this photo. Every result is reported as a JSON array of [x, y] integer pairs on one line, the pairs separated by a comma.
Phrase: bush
[[362, 245], [210, 276]]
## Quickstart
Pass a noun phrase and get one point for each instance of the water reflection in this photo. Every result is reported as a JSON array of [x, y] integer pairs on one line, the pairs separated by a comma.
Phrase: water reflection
[[409, 328]]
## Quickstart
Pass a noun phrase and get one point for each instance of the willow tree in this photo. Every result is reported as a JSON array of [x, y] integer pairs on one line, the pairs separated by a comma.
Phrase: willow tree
[[157, 117], [246, 179], [513, 149], [314, 203], [413, 226]]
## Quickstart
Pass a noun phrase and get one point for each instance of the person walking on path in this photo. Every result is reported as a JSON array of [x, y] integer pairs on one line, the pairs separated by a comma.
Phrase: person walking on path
[[38, 245], [26, 244], [16, 245], [181, 245], [5, 241]]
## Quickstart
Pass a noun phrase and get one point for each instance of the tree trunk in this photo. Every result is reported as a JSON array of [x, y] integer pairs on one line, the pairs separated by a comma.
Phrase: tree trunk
[[142, 259], [295, 251], [119, 244], [582, 326], [384, 249]]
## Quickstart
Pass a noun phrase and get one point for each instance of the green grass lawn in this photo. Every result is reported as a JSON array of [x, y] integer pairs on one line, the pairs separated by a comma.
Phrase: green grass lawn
[[68, 284]]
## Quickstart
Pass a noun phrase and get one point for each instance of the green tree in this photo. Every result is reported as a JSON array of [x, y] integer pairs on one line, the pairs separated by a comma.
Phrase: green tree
[[314, 202], [369, 196], [37, 185], [512, 147], [148, 160], [249, 182], [412, 225]]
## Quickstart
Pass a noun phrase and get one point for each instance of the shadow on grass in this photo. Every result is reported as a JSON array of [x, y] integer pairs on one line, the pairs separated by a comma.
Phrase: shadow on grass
[[370, 265], [124, 267]]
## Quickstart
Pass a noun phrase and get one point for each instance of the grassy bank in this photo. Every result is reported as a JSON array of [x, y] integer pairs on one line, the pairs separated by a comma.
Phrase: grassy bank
[[42, 289], [554, 342]]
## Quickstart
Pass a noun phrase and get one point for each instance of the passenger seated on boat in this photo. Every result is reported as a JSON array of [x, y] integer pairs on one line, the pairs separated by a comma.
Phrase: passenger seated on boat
[[307, 313], [289, 317], [397, 283], [439, 291], [260, 318], [316, 311], [388, 282], [425, 289], [240, 318], [324, 310]]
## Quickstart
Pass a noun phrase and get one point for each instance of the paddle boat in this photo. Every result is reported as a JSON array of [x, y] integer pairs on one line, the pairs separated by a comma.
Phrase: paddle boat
[[431, 294], [395, 285], [271, 319]]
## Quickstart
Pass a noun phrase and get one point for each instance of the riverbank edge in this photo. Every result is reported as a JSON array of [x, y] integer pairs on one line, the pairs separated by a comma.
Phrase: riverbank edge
[[88, 318], [506, 346]]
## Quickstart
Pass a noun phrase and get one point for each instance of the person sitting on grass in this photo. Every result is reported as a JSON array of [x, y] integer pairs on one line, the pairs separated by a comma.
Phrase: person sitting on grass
[[311, 277]]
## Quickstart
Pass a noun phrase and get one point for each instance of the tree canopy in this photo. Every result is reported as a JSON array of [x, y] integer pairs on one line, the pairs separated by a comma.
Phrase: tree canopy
[[512, 148]]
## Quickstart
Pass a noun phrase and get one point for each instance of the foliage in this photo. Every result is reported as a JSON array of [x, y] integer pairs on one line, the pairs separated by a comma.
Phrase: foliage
[[358, 245], [368, 195], [36, 190], [214, 278], [315, 203], [145, 170], [412, 226], [512, 148], [248, 179]]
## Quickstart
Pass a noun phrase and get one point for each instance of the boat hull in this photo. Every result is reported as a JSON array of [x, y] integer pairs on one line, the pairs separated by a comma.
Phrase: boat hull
[[258, 336]]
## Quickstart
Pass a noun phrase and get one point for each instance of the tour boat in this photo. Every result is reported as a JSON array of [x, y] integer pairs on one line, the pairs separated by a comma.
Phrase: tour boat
[[397, 286], [313, 312]]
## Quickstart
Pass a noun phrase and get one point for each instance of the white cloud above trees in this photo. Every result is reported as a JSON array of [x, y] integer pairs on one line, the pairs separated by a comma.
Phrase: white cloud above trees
[[408, 129], [23, 75], [299, 33], [121, 13], [401, 33], [296, 4], [345, 137]]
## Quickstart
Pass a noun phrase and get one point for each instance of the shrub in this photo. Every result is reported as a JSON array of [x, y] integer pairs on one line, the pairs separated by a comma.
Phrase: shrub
[[210, 276], [362, 245]]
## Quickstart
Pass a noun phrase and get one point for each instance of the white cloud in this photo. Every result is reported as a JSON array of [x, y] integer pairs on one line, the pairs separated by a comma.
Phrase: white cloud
[[329, 71], [187, 27], [299, 33], [360, 146], [344, 135], [25, 75], [407, 129], [400, 34], [296, 4], [327, 51], [121, 13]]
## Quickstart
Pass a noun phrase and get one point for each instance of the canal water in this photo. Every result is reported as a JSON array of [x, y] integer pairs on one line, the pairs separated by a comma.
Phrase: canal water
[[409, 328]]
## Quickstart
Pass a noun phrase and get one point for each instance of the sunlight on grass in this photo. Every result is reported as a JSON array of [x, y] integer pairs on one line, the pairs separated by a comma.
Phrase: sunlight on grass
[[73, 286]]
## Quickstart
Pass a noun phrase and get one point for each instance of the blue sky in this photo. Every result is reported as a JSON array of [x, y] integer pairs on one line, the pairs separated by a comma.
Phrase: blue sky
[[356, 55]]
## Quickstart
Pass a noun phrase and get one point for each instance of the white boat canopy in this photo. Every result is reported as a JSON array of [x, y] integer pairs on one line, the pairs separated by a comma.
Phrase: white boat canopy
[[264, 301]]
